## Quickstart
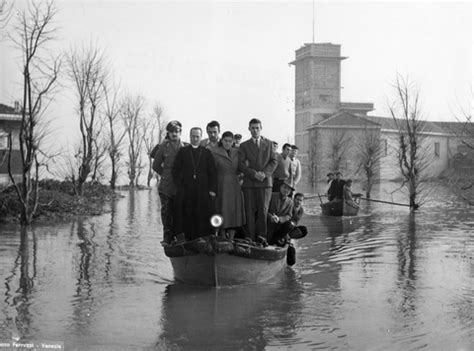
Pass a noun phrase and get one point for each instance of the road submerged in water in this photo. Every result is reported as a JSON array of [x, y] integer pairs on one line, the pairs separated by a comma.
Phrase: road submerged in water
[[385, 279]]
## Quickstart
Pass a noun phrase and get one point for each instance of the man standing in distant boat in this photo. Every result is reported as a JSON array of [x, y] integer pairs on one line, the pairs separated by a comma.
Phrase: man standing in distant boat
[[162, 164], [257, 161], [194, 174], [337, 187], [213, 130], [330, 190]]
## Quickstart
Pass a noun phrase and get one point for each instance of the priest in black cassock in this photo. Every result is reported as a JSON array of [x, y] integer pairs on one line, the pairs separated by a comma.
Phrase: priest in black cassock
[[195, 176]]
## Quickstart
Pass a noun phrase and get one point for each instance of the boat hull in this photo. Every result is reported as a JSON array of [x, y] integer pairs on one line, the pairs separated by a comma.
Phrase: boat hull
[[215, 261], [224, 269], [340, 208]]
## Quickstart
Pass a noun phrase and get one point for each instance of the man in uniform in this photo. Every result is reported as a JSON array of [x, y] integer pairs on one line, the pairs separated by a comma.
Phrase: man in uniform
[[162, 164]]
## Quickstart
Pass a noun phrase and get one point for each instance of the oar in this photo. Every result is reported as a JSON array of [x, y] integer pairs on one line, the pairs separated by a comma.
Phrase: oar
[[385, 202], [364, 198], [320, 200]]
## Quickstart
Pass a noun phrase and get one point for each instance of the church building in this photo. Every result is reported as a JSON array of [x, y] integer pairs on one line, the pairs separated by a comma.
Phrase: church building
[[331, 134]]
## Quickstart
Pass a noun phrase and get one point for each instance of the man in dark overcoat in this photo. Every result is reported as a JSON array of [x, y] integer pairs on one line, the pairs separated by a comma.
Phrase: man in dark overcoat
[[257, 161], [194, 174], [337, 187]]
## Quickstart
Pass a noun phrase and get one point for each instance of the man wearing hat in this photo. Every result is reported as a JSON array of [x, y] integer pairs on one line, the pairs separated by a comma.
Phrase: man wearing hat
[[163, 164], [280, 212], [237, 140]]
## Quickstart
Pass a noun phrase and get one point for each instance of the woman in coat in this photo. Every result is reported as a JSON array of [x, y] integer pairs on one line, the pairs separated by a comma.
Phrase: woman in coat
[[230, 201]]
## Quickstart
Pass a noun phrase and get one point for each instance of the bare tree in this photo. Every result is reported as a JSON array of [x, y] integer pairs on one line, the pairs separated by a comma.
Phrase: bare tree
[[131, 112], [99, 153], [32, 33], [314, 158], [154, 133], [5, 14], [116, 132], [369, 152], [465, 130], [411, 157], [460, 179], [87, 70], [339, 144]]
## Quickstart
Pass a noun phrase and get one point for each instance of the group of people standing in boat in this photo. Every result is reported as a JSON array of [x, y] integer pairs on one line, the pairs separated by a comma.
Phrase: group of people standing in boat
[[221, 175]]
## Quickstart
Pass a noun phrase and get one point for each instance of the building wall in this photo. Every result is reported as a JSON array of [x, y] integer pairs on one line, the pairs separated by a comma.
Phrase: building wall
[[330, 146], [5, 128], [437, 162]]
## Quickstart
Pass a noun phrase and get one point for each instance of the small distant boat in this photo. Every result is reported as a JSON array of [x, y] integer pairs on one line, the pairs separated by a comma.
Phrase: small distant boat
[[216, 261], [340, 208]]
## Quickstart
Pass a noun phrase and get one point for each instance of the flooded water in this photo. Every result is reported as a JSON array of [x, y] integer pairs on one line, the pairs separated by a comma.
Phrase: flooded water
[[383, 280]]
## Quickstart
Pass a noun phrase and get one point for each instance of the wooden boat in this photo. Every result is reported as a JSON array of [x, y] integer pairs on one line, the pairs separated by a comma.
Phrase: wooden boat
[[217, 261], [340, 208]]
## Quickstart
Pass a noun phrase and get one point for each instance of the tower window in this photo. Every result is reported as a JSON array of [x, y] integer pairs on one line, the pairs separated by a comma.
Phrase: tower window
[[436, 149], [325, 98]]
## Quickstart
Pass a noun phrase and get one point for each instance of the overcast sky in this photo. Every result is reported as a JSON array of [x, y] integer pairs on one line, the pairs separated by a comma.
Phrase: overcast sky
[[229, 60]]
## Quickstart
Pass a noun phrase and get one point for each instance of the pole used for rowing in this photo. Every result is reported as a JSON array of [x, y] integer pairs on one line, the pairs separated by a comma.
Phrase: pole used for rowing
[[385, 202], [363, 198]]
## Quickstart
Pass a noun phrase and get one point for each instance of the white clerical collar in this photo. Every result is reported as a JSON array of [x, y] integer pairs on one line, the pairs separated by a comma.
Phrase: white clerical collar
[[194, 146]]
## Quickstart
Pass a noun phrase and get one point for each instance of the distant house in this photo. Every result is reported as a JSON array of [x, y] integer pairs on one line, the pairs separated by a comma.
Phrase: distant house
[[10, 121], [330, 132]]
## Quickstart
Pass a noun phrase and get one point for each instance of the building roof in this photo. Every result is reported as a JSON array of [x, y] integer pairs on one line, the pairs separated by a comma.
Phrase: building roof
[[344, 119], [347, 120], [8, 110], [458, 128], [8, 113], [389, 124], [357, 106]]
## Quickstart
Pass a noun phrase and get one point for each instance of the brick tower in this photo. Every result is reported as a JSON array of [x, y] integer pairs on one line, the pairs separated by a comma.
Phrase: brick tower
[[317, 89]]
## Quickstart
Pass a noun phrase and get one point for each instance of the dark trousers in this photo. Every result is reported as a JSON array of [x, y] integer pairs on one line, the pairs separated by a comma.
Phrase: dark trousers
[[167, 209], [276, 185], [256, 201]]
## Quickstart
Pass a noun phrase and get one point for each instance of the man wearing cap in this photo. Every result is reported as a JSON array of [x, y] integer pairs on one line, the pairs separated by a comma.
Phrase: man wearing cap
[[213, 130], [257, 161], [163, 164], [280, 212], [237, 140]]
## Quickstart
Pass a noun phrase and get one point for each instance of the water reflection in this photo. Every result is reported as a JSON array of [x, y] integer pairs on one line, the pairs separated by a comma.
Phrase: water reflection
[[19, 299], [383, 280], [406, 278], [83, 298], [246, 318]]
